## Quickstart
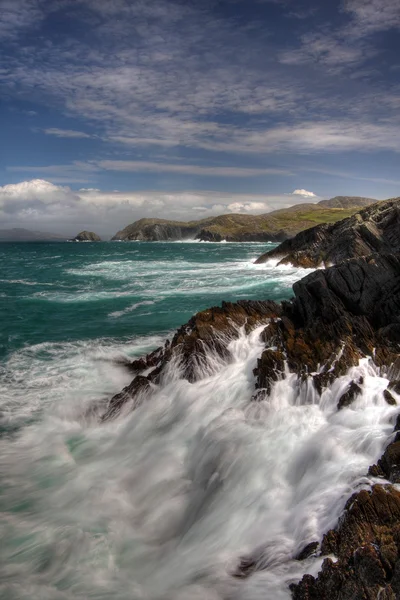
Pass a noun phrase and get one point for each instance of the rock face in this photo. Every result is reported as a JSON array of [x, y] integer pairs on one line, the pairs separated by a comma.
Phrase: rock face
[[87, 236], [157, 230], [374, 229], [367, 545]]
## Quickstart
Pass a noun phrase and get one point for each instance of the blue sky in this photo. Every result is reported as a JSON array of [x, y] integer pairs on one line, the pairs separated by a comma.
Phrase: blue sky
[[111, 110]]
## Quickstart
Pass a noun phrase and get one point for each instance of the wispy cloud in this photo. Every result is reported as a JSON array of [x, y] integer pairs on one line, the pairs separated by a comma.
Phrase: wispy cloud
[[66, 133], [370, 16], [156, 167], [17, 16]]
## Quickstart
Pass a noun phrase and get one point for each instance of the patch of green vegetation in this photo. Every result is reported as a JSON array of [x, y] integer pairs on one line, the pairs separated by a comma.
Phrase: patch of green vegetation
[[239, 227]]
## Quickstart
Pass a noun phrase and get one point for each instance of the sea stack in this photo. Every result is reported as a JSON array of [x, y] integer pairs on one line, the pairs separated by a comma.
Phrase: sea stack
[[87, 236]]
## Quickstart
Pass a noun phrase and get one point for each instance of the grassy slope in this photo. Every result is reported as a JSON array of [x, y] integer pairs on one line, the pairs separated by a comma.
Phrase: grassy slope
[[288, 221]]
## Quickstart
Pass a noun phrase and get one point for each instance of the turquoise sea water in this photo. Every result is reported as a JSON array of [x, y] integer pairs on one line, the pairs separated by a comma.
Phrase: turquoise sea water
[[63, 292]]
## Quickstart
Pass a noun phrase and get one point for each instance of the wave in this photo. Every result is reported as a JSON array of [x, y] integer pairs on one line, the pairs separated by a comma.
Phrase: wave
[[119, 313], [162, 503]]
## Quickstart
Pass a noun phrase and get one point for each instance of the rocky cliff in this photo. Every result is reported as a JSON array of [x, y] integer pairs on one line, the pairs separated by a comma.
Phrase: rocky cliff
[[337, 316], [275, 226], [87, 236], [373, 229]]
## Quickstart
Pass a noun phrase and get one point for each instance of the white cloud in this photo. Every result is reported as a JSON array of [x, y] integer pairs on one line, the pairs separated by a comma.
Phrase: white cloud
[[304, 194], [36, 191], [66, 133], [248, 207], [39, 204]]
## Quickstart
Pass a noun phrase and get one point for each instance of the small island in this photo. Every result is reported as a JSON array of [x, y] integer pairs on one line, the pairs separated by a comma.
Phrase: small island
[[87, 236]]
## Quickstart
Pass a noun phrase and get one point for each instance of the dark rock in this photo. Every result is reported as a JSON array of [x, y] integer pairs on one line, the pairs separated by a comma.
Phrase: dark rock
[[373, 229], [389, 464], [389, 398], [208, 331], [366, 543], [135, 392], [309, 550], [337, 317], [348, 397]]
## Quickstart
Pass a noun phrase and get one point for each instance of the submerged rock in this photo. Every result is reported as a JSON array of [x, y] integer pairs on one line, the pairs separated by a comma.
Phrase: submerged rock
[[373, 229]]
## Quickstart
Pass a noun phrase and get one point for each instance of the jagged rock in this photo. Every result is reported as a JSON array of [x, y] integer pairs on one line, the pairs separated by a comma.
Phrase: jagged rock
[[310, 550], [366, 543], [208, 331], [349, 396], [134, 392], [87, 236], [389, 398], [338, 315], [373, 229]]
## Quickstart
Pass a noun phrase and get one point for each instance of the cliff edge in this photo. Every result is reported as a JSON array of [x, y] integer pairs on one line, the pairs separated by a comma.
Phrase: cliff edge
[[373, 229]]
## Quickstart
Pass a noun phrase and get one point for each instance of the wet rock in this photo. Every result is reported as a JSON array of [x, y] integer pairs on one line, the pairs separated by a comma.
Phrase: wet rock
[[208, 332], [309, 550], [389, 398], [349, 396], [366, 543], [135, 392], [338, 316]]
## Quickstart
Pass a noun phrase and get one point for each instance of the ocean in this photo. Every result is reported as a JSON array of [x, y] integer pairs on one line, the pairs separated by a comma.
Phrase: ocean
[[164, 502]]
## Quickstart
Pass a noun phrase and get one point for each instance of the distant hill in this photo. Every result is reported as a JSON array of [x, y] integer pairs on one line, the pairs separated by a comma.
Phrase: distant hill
[[347, 202], [25, 235], [275, 226]]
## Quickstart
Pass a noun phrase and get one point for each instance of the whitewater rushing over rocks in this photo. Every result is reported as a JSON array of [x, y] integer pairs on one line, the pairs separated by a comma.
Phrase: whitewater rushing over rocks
[[240, 447], [164, 502]]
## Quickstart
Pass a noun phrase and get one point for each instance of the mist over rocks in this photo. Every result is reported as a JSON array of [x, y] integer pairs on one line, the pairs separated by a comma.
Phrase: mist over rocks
[[374, 229]]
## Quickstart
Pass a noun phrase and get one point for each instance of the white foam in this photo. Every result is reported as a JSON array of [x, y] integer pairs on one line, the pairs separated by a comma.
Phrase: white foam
[[162, 503], [119, 313]]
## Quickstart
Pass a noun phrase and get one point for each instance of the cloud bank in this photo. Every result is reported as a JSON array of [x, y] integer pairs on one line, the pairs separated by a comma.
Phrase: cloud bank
[[40, 204]]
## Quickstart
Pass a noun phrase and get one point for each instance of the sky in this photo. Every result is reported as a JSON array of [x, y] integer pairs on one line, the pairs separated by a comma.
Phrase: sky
[[114, 110]]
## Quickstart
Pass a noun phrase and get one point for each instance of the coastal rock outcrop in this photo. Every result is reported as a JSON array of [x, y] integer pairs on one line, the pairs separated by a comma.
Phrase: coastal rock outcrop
[[157, 230], [373, 229], [87, 236], [338, 316]]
